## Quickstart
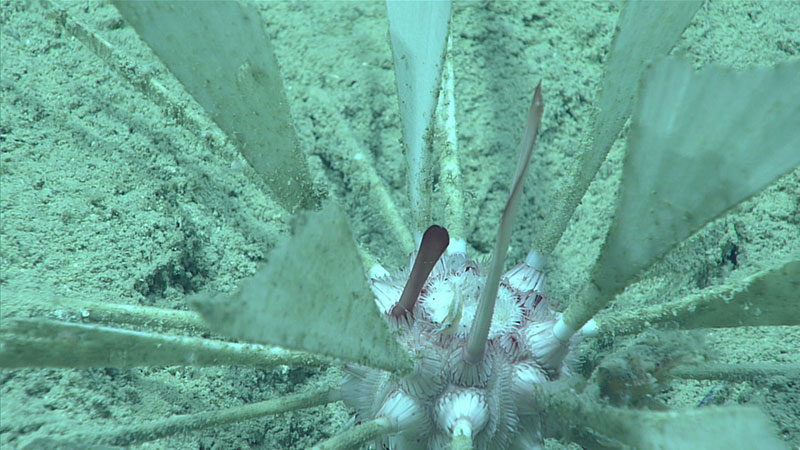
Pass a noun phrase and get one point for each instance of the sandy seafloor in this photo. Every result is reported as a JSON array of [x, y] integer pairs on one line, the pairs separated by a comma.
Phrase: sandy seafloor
[[106, 198]]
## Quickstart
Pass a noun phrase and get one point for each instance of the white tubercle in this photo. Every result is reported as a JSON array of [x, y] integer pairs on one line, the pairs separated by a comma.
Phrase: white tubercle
[[535, 260], [528, 275], [562, 331], [403, 413], [463, 410], [546, 346], [526, 377]]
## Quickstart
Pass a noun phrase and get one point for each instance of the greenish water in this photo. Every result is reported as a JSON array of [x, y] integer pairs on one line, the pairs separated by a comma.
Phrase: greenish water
[[106, 198]]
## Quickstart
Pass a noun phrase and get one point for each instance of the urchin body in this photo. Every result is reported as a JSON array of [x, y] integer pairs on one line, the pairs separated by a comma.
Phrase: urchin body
[[445, 396]]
